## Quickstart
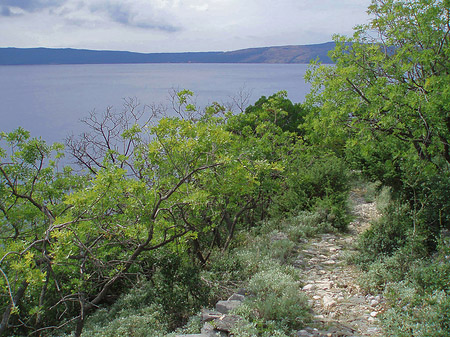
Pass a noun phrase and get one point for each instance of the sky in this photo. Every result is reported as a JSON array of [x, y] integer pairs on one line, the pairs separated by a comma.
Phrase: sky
[[175, 25]]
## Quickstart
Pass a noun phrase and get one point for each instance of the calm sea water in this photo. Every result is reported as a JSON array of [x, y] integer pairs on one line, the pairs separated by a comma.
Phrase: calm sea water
[[50, 100]]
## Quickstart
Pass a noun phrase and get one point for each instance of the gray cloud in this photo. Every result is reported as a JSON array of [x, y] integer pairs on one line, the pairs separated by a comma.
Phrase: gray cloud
[[127, 16], [28, 5], [5, 11]]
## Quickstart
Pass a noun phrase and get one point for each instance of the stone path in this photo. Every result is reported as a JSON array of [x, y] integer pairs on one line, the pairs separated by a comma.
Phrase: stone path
[[340, 307]]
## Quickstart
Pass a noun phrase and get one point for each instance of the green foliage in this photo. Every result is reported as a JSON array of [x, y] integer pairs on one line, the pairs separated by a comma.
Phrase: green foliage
[[153, 308], [276, 110], [308, 224], [315, 182], [148, 321], [32, 191], [385, 107], [416, 315], [156, 203], [396, 261], [386, 235], [278, 299]]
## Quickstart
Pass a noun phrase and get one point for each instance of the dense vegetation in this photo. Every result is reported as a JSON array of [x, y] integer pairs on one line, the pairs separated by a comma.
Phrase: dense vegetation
[[385, 108], [150, 207], [150, 222]]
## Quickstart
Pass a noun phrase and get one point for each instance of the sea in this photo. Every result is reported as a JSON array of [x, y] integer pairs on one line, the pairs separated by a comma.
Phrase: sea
[[50, 100]]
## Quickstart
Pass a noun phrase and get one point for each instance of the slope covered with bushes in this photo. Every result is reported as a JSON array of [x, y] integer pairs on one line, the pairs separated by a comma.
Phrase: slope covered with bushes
[[129, 231]]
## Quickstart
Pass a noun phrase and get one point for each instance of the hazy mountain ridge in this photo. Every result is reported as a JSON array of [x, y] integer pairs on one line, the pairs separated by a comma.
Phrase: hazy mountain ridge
[[281, 54]]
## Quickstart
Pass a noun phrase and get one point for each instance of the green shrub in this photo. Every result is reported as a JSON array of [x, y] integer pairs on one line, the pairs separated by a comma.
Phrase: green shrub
[[193, 326], [414, 315], [416, 289], [282, 250], [386, 235], [314, 181], [129, 323], [278, 299], [385, 271], [305, 224]]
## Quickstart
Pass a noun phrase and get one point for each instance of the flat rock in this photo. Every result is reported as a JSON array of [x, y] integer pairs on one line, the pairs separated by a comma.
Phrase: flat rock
[[328, 302], [210, 315], [330, 262], [237, 297], [308, 287], [209, 331], [226, 306], [226, 323]]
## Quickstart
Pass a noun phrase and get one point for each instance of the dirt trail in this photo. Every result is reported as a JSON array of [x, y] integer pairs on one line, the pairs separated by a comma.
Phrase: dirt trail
[[340, 307]]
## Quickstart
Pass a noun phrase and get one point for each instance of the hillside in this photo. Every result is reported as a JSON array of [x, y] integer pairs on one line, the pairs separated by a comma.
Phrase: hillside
[[282, 54]]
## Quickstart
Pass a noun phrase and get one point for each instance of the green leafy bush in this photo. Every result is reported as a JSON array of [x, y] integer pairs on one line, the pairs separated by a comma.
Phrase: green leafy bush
[[278, 299], [412, 314], [149, 321], [386, 235], [315, 182]]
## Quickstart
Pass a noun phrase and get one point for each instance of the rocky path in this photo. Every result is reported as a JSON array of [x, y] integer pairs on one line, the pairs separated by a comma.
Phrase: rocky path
[[340, 307]]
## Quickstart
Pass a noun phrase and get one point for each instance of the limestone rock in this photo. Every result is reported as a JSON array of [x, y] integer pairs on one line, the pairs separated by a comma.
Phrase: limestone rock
[[308, 287], [237, 297], [328, 302], [209, 315], [226, 306], [209, 331], [226, 323]]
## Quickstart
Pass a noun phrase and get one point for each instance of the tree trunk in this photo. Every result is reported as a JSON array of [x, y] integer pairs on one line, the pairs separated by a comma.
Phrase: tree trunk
[[7, 314]]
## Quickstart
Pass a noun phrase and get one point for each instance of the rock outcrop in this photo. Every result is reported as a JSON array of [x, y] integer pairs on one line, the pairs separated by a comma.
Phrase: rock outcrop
[[220, 322]]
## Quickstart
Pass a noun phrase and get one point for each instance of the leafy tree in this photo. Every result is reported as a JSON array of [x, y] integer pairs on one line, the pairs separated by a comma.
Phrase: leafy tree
[[276, 109], [150, 196], [32, 190], [389, 92], [392, 77], [273, 129]]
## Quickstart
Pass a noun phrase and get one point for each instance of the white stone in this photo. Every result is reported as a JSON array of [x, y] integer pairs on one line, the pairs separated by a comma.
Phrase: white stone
[[309, 287], [330, 262], [374, 303], [374, 313], [326, 285], [328, 302]]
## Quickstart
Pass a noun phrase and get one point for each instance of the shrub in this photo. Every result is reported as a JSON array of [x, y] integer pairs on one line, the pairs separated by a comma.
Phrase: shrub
[[415, 315], [386, 235], [140, 323], [307, 224], [386, 270], [278, 299], [314, 182], [416, 289]]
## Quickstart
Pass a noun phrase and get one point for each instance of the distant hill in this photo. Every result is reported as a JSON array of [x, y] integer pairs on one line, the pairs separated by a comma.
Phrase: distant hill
[[283, 54]]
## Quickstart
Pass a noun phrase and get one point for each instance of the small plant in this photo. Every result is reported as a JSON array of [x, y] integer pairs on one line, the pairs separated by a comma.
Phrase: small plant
[[148, 321], [278, 299]]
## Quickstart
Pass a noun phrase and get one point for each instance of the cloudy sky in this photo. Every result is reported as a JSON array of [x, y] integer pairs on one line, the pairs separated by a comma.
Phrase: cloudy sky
[[175, 25]]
